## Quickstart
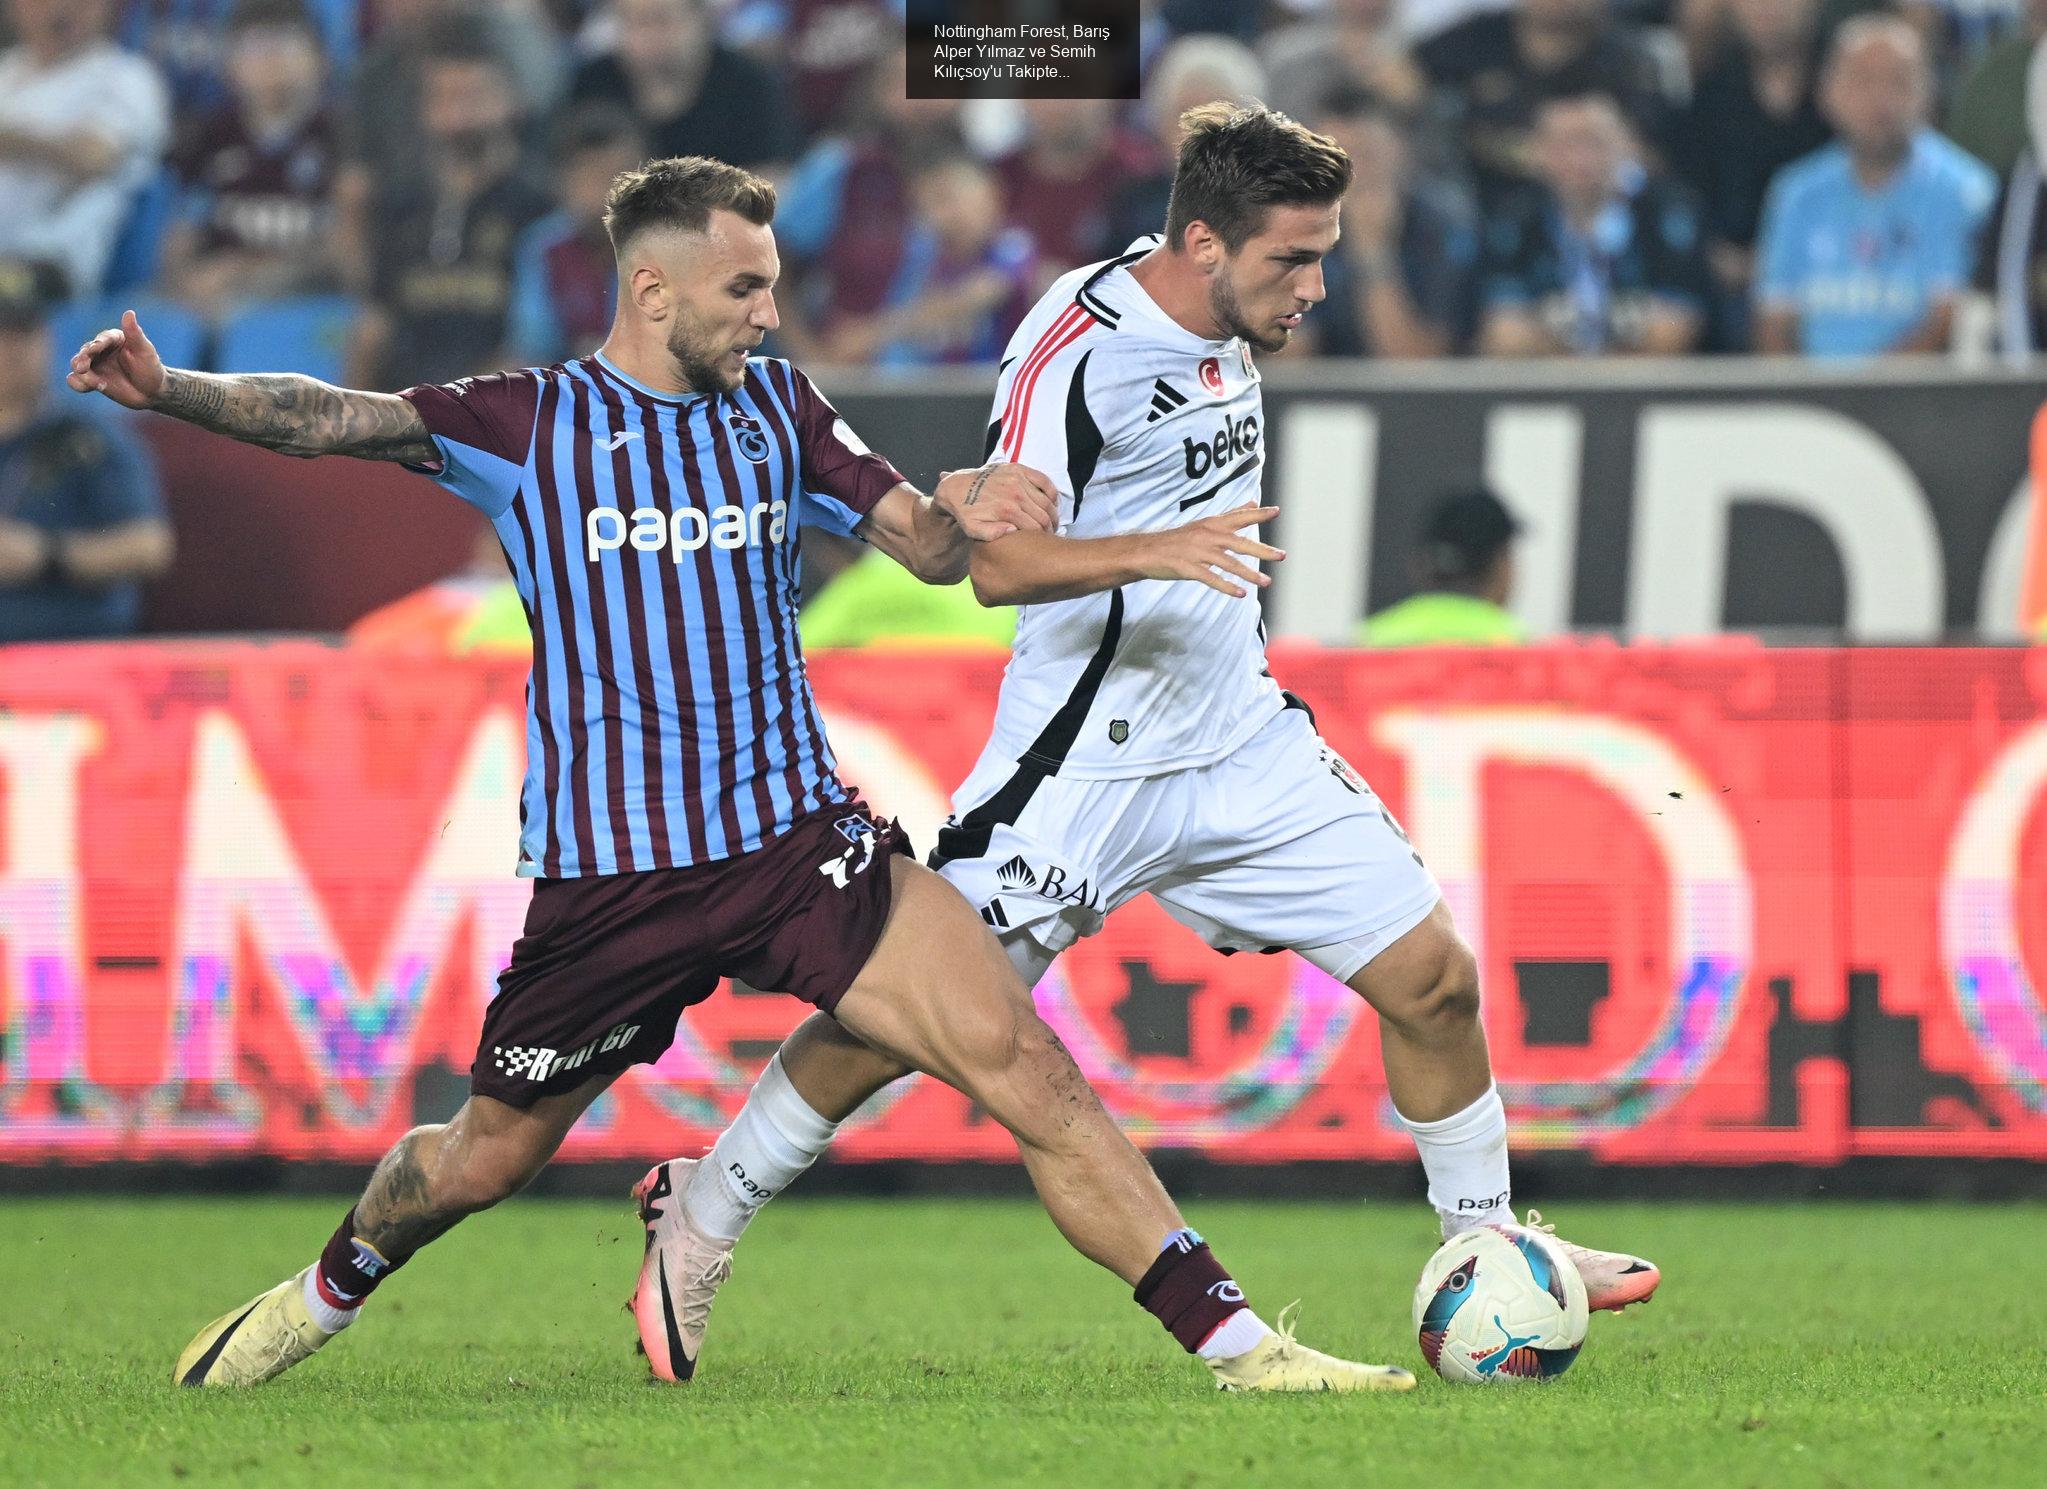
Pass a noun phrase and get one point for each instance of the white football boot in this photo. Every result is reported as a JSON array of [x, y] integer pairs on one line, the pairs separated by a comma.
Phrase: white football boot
[[680, 1275], [1282, 1363], [1613, 1279], [263, 1338]]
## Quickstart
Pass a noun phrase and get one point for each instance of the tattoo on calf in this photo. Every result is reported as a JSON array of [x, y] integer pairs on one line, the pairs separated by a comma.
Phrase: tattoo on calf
[[395, 1214]]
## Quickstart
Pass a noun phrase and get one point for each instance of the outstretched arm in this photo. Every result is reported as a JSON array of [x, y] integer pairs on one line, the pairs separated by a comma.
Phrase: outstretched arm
[[932, 536], [287, 412], [1031, 568]]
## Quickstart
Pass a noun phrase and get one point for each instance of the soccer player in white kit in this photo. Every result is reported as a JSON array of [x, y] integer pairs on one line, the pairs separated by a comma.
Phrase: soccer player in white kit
[[1140, 745]]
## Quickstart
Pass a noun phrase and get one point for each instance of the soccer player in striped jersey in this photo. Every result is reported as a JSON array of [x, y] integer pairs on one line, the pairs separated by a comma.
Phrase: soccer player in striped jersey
[[681, 818], [1141, 745]]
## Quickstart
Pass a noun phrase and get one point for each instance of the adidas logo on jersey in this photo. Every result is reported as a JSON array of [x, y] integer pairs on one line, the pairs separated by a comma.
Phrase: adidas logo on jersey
[[1165, 399], [1236, 439], [1016, 874]]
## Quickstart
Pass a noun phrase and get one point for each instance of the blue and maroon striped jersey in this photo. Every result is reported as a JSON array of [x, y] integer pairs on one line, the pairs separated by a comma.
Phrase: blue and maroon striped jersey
[[653, 538]]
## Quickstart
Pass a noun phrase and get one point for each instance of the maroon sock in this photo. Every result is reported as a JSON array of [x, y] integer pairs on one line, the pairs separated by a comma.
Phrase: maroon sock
[[1188, 1290], [350, 1269]]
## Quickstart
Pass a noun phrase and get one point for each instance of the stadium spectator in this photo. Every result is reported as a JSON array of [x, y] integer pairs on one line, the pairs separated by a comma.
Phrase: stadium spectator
[[190, 42], [564, 276], [441, 269], [256, 176], [81, 521], [1867, 243], [1402, 281], [2012, 272], [1351, 41], [82, 127], [1495, 70], [965, 282], [844, 219], [1421, 19], [822, 48], [866, 605], [382, 119], [691, 94], [1753, 111], [1191, 71], [1232, 18], [475, 611], [1464, 570], [1988, 116], [1062, 181], [1605, 257], [1961, 31]]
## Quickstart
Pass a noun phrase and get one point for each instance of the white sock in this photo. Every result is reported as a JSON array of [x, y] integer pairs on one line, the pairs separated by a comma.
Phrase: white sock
[[1465, 1157], [1240, 1332], [775, 1137], [325, 1314]]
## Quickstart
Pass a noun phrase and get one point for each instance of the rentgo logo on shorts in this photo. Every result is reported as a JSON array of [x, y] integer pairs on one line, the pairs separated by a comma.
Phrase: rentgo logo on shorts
[[538, 1063]]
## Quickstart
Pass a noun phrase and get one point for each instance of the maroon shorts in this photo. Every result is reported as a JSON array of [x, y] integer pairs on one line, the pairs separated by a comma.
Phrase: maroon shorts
[[608, 963]]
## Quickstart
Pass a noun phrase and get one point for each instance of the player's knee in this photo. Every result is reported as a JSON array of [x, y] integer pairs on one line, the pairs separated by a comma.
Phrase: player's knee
[[1445, 1000], [1047, 1067]]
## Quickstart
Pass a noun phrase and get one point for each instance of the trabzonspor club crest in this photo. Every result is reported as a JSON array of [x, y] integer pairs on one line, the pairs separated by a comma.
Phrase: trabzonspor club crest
[[748, 436]]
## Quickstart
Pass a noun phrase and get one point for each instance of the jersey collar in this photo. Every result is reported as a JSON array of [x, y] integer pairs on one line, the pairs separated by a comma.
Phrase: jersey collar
[[1119, 288], [611, 370]]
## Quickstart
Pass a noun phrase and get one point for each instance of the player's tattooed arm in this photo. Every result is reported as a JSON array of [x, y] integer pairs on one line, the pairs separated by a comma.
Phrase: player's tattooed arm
[[297, 415], [932, 536], [280, 411], [993, 501]]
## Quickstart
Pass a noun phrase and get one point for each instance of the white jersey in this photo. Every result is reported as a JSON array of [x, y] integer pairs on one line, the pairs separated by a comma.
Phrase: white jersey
[[1143, 426]]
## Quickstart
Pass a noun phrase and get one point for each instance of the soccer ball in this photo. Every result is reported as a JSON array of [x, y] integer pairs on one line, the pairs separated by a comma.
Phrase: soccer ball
[[1499, 1305]]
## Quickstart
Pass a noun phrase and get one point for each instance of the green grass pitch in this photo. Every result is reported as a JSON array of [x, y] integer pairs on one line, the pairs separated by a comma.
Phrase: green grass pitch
[[911, 1343]]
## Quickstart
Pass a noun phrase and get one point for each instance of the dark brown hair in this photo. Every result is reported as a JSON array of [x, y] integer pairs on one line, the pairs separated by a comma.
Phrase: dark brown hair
[[1236, 160], [682, 192]]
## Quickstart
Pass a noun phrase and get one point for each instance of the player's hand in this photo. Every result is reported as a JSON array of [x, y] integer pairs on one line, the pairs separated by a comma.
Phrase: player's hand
[[1212, 550], [120, 363], [994, 501]]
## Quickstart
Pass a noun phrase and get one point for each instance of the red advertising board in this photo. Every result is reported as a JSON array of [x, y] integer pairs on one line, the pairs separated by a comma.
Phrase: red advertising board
[[1731, 905]]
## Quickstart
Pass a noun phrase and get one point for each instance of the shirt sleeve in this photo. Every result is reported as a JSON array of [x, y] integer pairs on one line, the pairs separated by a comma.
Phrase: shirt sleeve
[[1679, 274], [533, 330], [135, 110], [1505, 274], [808, 213], [1777, 248], [774, 119], [1955, 257], [840, 477], [483, 428], [1048, 423], [1439, 264]]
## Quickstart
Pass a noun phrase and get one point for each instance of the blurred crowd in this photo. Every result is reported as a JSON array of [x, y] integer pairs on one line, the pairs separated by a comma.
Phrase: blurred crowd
[[384, 192], [390, 191]]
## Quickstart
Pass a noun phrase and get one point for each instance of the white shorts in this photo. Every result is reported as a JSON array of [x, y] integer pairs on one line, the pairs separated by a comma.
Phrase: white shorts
[[1278, 846]]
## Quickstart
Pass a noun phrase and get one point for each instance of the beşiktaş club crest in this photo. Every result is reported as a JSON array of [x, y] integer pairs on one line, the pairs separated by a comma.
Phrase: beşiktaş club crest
[[747, 435]]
